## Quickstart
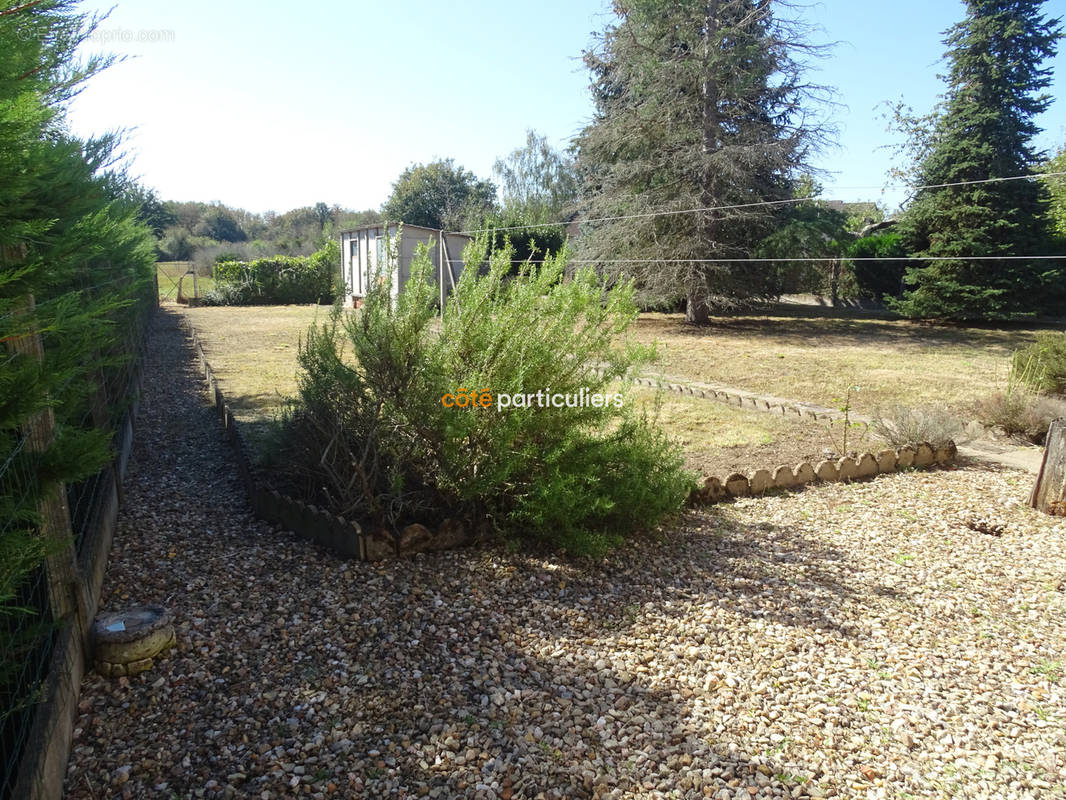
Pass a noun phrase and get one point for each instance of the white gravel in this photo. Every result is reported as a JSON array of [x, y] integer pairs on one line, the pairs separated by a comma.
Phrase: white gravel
[[843, 641]]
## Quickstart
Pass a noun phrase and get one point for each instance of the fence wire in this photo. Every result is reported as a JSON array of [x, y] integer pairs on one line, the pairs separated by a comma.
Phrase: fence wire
[[29, 619]]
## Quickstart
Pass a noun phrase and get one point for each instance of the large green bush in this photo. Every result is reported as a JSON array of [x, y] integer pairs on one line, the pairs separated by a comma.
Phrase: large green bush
[[370, 437], [278, 279]]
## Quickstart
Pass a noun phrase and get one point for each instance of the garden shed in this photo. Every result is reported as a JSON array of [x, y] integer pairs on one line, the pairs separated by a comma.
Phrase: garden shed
[[363, 247]]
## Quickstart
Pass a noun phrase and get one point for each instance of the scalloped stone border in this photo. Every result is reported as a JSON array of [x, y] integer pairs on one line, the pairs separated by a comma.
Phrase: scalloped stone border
[[866, 465]]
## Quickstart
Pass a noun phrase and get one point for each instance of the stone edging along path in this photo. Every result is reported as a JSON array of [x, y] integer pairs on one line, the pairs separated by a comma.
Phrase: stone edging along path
[[866, 465], [1011, 455]]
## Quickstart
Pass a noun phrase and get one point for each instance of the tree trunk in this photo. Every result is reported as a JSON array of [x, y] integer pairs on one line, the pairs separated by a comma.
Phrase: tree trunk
[[1049, 493], [834, 283], [697, 311]]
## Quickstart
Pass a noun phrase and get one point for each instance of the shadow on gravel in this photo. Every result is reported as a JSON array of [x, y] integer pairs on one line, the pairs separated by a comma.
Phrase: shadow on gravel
[[773, 573], [578, 729]]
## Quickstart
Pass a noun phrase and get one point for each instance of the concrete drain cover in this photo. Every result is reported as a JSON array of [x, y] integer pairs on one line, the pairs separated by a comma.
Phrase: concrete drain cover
[[126, 642]]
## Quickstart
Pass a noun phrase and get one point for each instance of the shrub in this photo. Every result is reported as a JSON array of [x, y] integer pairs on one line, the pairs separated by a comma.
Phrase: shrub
[[899, 425], [1042, 364], [371, 438], [278, 279], [877, 279], [1021, 413]]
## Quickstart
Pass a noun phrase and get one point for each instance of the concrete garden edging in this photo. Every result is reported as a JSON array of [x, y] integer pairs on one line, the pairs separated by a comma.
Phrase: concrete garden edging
[[866, 465]]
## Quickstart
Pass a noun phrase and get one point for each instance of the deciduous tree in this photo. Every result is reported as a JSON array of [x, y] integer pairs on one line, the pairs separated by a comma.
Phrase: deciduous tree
[[439, 195]]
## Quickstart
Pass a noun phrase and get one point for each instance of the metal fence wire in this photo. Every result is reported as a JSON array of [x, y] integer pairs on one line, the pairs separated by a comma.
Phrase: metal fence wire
[[26, 629], [29, 619]]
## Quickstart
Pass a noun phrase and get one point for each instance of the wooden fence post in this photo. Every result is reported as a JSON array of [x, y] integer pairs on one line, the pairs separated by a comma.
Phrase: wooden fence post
[[1049, 493], [39, 433]]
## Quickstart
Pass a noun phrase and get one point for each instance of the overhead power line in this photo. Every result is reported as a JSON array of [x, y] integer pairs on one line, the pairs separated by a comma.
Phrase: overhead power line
[[823, 259], [763, 203]]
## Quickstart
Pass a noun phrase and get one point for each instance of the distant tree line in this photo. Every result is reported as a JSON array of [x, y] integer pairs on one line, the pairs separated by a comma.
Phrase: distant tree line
[[709, 106], [211, 232]]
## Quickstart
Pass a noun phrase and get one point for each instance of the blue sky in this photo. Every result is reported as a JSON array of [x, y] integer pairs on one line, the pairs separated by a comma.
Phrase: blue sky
[[268, 105]]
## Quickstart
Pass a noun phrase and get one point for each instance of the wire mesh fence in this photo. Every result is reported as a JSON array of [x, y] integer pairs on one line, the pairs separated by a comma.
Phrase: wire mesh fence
[[50, 532]]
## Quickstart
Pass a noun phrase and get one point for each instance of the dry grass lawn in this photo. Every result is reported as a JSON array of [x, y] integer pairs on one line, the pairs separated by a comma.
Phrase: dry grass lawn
[[252, 350], [719, 439], [253, 353], [808, 355], [805, 356]]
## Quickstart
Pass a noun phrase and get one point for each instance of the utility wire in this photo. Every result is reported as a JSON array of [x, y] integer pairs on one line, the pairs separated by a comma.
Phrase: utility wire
[[783, 259], [764, 203]]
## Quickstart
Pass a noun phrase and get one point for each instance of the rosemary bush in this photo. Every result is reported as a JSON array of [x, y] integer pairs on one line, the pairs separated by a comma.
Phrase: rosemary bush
[[371, 438]]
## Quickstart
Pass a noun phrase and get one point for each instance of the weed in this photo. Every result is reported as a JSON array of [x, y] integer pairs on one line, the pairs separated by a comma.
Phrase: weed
[[1052, 670], [899, 425], [840, 429]]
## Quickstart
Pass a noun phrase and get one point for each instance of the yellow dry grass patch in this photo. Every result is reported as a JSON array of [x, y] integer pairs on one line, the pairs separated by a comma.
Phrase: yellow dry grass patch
[[703, 424], [815, 358], [253, 350]]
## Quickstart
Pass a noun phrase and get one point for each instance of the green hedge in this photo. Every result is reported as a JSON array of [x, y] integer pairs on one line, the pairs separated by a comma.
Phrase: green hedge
[[278, 280]]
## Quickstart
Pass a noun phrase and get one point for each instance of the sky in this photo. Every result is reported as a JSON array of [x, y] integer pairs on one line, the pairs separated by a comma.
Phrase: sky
[[273, 106]]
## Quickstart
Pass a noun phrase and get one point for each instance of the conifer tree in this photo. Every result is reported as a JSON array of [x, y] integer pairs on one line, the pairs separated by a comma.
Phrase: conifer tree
[[698, 105], [983, 129]]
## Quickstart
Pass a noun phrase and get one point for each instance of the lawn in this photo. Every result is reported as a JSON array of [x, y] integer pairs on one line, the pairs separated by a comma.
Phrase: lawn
[[719, 439], [253, 353], [805, 356], [812, 356], [252, 350]]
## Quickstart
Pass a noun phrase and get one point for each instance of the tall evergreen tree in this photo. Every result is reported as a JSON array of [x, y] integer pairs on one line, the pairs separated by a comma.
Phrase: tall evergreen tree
[[698, 105], [983, 129]]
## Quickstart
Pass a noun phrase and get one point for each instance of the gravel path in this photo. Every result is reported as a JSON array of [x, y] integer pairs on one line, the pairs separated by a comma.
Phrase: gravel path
[[843, 641]]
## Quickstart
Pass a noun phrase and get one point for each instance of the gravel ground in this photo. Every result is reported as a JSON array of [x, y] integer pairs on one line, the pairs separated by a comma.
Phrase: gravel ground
[[843, 641]]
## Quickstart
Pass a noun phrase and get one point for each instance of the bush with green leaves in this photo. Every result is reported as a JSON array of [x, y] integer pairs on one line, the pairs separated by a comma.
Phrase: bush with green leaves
[[1042, 364], [882, 278], [370, 437], [278, 279]]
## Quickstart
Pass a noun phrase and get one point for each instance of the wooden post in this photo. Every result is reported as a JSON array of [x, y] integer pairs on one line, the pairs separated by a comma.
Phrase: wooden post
[[1049, 493], [39, 432]]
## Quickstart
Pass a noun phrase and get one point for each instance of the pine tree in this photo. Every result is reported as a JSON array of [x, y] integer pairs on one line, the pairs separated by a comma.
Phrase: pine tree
[[983, 129], [698, 105]]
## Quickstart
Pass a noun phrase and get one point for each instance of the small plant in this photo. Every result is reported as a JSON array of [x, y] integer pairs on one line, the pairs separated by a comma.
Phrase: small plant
[[1042, 364], [844, 431], [1020, 413], [899, 425], [1020, 410], [1052, 670]]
